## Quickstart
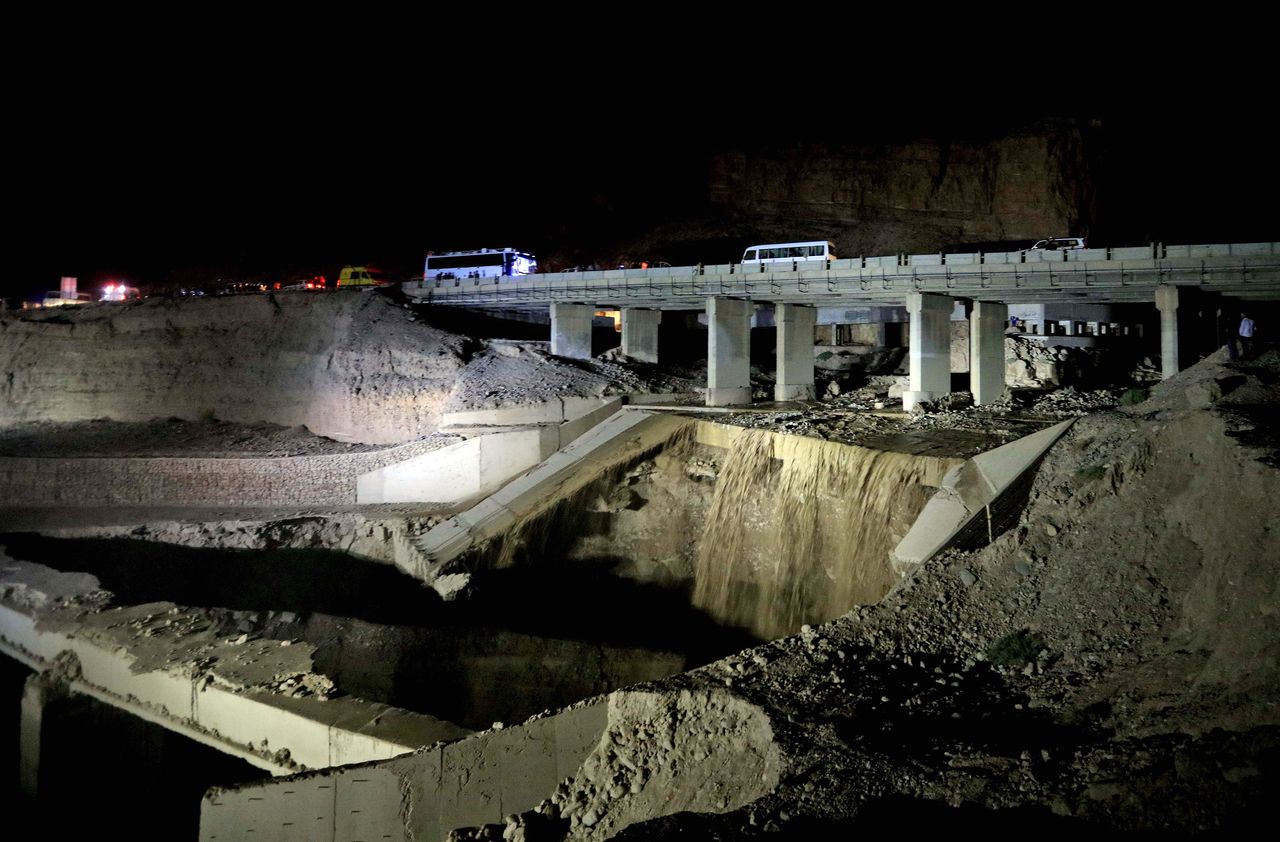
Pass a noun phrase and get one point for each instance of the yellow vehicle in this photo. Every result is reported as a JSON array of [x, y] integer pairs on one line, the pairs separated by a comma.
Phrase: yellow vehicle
[[362, 276]]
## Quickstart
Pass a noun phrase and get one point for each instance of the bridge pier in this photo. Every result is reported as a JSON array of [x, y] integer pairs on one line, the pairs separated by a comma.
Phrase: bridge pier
[[728, 351], [795, 352], [571, 330], [930, 352], [640, 334], [1167, 304], [987, 322], [40, 691]]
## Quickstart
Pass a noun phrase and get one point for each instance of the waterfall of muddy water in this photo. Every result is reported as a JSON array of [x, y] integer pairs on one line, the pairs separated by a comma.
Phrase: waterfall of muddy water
[[800, 529]]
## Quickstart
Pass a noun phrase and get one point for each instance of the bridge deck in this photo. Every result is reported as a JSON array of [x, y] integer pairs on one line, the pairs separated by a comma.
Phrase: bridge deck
[[1247, 270]]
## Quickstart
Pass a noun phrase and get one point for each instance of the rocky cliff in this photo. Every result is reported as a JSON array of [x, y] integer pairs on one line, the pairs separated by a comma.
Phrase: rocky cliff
[[917, 195]]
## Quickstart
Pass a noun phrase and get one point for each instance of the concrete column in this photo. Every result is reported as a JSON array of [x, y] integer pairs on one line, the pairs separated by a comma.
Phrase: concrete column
[[1167, 304], [986, 350], [795, 352], [640, 334], [39, 691], [930, 352], [571, 330], [728, 351]]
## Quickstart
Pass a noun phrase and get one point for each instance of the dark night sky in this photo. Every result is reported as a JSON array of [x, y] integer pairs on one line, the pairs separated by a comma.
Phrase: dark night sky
[[157, 167]]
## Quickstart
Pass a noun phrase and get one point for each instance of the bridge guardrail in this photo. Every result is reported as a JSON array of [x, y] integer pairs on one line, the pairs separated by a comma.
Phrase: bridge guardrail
[[887, 274]]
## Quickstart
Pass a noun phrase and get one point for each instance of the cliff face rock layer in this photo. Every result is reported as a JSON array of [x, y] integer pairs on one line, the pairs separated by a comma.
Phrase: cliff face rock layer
[[910, 196], [346, 364]]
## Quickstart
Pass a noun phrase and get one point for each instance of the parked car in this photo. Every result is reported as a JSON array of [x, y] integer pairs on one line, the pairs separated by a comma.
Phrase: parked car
[[1058, 243]]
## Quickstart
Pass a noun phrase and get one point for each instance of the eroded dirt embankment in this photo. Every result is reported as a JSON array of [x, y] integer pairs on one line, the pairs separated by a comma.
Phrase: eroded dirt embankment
[[352, 366], [349, 365]]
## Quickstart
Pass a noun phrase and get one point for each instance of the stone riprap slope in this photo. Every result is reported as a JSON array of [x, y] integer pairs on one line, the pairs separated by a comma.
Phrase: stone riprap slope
[[350, 365]]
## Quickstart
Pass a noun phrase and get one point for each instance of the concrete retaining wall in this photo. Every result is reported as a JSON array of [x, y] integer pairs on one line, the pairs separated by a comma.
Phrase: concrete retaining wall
[[461, 471], [505, 443], [174, 481]]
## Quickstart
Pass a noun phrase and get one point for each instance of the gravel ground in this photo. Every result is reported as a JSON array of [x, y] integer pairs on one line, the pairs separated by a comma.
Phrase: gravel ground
[[168, 437]]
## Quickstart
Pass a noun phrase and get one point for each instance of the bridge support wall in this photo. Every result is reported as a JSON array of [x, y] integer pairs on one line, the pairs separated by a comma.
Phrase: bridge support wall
[[571, 330], [795, 352], [930, 353], [640, 334], [728, 351], [986, 350]]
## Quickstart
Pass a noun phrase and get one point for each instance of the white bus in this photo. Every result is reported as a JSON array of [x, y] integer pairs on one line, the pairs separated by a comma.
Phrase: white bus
[[480, 263], [787, 252]]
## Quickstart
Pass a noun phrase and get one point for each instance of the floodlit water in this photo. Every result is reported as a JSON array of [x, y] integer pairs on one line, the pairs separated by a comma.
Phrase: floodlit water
[[800, 529]]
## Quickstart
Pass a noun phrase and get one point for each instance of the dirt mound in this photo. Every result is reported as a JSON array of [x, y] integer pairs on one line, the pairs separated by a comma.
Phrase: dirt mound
[[348, 365], [507, 373]]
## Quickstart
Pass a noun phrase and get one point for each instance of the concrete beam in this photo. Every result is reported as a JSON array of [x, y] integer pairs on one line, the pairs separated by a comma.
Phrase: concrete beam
[[728, 351], [640, 334], [1167, 304], [930, 351], [795, 352], [986, 351], [571, 330], [214, 708]]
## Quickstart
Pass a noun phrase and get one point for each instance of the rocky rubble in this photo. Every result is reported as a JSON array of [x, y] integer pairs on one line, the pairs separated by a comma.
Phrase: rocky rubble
[[506, 373], [1039, 363]]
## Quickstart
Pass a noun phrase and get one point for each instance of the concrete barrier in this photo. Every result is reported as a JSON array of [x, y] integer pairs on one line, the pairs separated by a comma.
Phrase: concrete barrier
[[555, 411], [968, 490]]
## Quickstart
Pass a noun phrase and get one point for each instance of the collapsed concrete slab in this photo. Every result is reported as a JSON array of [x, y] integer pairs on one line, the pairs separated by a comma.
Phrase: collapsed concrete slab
[[620, 439], [968, 490], [254, 699], [643, 753]]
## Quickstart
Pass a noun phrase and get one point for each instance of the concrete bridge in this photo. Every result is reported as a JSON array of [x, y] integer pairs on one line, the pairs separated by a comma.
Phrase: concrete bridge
[[929, 286]]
